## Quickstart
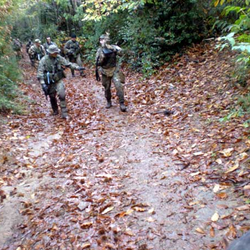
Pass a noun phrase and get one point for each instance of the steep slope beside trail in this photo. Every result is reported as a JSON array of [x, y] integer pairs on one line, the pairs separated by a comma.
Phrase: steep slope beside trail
[[138, 180]]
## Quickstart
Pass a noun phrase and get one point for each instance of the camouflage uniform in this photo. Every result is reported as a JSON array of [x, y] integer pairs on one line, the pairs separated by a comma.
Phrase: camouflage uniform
[[17, 47], [46, 46], [28, 45], [50, 72], [106, 59], [72, 51], [36, 53]]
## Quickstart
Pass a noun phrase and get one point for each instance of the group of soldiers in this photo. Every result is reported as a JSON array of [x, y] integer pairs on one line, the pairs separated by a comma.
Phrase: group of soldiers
[[50, 66]]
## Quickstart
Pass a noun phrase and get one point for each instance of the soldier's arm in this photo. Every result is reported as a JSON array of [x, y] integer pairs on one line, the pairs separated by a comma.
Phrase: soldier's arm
[[118, 50], [99, 56], [66, 47], [66, 63], [40, 72], [43, 50]]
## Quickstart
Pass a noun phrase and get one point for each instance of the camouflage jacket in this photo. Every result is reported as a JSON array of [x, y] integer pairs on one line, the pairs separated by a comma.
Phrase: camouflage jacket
[[108, 68], [46, 46], [53, 65], [72, 47], [36, 52], [17, 45]]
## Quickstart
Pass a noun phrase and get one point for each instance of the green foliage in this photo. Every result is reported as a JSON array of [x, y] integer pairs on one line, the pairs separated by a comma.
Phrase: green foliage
[[151, 31], [238, 39], [9, 73]]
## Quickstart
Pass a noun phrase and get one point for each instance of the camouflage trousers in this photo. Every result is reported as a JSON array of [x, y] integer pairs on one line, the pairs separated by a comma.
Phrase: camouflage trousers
[[106, 83], [57, 89], [76, 60]]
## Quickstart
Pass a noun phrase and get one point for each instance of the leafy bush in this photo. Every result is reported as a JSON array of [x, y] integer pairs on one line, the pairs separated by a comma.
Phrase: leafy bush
[[9, 73]]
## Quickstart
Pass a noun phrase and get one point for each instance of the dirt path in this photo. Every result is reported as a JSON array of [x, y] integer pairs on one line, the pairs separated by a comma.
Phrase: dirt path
[[102, 179]]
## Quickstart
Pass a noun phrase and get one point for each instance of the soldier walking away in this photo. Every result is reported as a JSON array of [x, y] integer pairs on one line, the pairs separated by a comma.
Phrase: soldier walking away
[[50, 75], [17, 47], [106, 59], [47, 44], [72, 51], [28, 45], [36, 53]]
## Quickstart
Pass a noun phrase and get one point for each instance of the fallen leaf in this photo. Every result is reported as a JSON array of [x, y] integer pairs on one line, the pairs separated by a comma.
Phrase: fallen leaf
[[108, 209], [243, 208], [216, 188], [222, 195], [150, 219], [232, 169], [215, 217], [139, 209], [199, 230], [86, 225], [85, 245], [227, 152]]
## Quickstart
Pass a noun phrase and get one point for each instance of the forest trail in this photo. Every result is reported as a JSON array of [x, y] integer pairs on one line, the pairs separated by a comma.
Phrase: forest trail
[[104, 179]]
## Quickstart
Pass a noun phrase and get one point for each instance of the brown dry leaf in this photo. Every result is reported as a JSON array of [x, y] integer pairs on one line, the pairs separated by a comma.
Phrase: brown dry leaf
[[199, 230], [139, 209], [215, 217], [243, 208], [216, 188], [150, 219], [129, 232], [231, 232], [227, 152], [85, 245], [106, 210], [151, 211], [232, 169], [222, 195], [212, 233], [86, 225], [246, 187]]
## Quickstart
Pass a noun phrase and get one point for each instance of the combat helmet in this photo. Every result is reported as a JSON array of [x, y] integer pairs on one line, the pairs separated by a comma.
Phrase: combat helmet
[[53, 49]]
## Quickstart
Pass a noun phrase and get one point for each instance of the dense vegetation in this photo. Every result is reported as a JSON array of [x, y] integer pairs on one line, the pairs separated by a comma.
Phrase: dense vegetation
[[151, 31], [9, 72]]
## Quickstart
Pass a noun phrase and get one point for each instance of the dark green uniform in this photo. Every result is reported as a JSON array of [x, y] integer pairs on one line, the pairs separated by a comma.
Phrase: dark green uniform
[[50, 72], [106, 59], [72, 50]]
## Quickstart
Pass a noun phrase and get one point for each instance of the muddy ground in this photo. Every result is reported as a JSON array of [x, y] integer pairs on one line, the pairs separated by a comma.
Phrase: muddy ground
[[104, 179]]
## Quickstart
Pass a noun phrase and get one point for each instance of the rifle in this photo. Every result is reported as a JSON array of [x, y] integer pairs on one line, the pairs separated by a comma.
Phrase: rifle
[[96, 70]]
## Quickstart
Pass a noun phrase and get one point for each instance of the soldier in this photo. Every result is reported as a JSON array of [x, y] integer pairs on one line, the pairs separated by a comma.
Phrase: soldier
[[17, 47], [50, 74], [47, 44], [72, 50], [36, 53], [106, 59], [28, 45]]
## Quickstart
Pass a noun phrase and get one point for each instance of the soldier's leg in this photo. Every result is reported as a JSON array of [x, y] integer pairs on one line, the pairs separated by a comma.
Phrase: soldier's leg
[[53, 100], [61, 94], [79, 63], [119, 90], [106, 83], [72, 59]]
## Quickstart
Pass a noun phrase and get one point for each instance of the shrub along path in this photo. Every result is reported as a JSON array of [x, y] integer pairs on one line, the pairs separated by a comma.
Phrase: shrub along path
[[144, 179]]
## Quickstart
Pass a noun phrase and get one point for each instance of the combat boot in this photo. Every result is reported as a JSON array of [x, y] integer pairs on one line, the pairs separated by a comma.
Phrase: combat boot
[[54, 105], [109, 104], [64, 114], [55, 112], [123, 107]]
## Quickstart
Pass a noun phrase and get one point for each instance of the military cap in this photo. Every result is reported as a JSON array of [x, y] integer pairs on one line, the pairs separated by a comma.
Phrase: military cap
[[73, 36], [104, 36], [53, 49], [37, 41]]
